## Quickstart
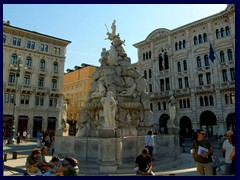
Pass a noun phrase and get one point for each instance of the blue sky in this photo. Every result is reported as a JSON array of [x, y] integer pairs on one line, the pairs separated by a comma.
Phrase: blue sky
[[84, 24]]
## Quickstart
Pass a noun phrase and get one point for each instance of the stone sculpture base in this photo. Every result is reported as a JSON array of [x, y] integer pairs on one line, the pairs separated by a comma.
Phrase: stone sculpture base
[[108, 155], [173, 130], [106, 133]]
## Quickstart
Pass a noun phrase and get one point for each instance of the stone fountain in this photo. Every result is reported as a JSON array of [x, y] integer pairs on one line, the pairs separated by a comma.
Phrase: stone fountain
[[116, 116]]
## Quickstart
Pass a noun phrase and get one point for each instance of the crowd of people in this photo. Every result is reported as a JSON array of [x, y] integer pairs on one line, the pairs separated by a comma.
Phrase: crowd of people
[[205, 156], [36, 164]]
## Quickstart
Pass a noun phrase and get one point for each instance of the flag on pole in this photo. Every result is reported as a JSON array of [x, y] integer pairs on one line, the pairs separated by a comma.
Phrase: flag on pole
[[211, 53]]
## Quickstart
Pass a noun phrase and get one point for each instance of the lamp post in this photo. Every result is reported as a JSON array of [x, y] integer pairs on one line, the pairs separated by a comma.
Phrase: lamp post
[[17, 67]]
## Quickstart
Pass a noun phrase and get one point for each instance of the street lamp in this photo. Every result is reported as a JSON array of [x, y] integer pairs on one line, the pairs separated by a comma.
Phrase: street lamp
[[17, 67]]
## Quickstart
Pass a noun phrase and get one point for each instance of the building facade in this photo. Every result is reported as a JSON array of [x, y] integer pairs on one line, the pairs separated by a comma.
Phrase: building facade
[[76, 87], [178, 62], [33, 69]]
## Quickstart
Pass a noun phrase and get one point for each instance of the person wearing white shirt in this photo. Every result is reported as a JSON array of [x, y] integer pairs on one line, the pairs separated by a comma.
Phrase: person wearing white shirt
[[227, 148]]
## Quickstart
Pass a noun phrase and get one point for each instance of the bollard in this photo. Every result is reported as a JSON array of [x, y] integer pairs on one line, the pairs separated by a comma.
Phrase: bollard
[[5, 157], [14, 155]]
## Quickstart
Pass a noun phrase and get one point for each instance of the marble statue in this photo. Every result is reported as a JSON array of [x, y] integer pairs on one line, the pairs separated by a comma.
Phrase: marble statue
[[172, 111], [109, 110], [63, 126]]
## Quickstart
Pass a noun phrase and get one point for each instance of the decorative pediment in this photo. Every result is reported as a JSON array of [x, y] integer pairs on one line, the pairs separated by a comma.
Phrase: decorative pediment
[[157, 33]]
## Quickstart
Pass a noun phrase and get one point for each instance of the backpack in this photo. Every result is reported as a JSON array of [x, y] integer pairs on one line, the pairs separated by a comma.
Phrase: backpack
[[72, 161]]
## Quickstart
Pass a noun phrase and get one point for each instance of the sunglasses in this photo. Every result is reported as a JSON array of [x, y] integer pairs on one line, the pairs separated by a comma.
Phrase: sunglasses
[[202, 134]]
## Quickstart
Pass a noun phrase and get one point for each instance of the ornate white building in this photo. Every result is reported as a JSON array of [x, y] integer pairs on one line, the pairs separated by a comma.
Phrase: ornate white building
[[178, 62], [33, 70]]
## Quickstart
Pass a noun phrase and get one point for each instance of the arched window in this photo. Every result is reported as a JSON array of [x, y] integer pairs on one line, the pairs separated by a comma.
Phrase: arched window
[[184, 44], [42, 64], [151, 107], [222, 58], [180, 45], [201, 101], [14, 59], [180, 103], [176, 46], [230, 55], [184, 103], [166, 65], [232, 98], [150, 73], [200, 79], [200, 38], [184, 65], [211, 100], [160, 62], [217, 34], [143, 56], [159, 106], [145, 74], [224, 73], [205, 38], [227, 29], [208, 76], [146, 55], [164, 105], [195, 40], [199, 63], [232, 73], [179, 66], [188, 103], [222, 32], [180, 83], [186, 82], [206, 100], [29, 62], [55, 67], [206, 60], [226, 99]]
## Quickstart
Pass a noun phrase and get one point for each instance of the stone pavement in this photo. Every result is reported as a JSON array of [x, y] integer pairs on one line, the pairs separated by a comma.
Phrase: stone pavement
[[185, 167]]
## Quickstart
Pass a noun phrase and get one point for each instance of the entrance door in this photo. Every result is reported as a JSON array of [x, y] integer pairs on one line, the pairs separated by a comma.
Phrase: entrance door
[[37, 125], [22, 124]]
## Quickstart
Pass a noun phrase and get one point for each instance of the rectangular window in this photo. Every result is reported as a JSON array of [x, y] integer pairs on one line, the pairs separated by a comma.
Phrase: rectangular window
[[33, 45], [54, 84], [12, 98], [26, 99], [28, 44], [46, 48], [14, 42], [19, 42], [27, 80], [167, 84], [224, 73], [180, 83], [200, 78], [208, 76], [40, 81], [7, 98], [232, 72], [162, 84], [4, 38], [51, 102], [42, 47], [41, 101], [22, 99], [11, 78], [55, 50], [186, 82], [58, 51], [37, 100]]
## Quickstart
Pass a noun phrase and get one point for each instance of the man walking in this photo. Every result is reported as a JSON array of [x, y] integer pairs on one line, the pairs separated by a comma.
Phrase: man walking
[[201, 153]]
